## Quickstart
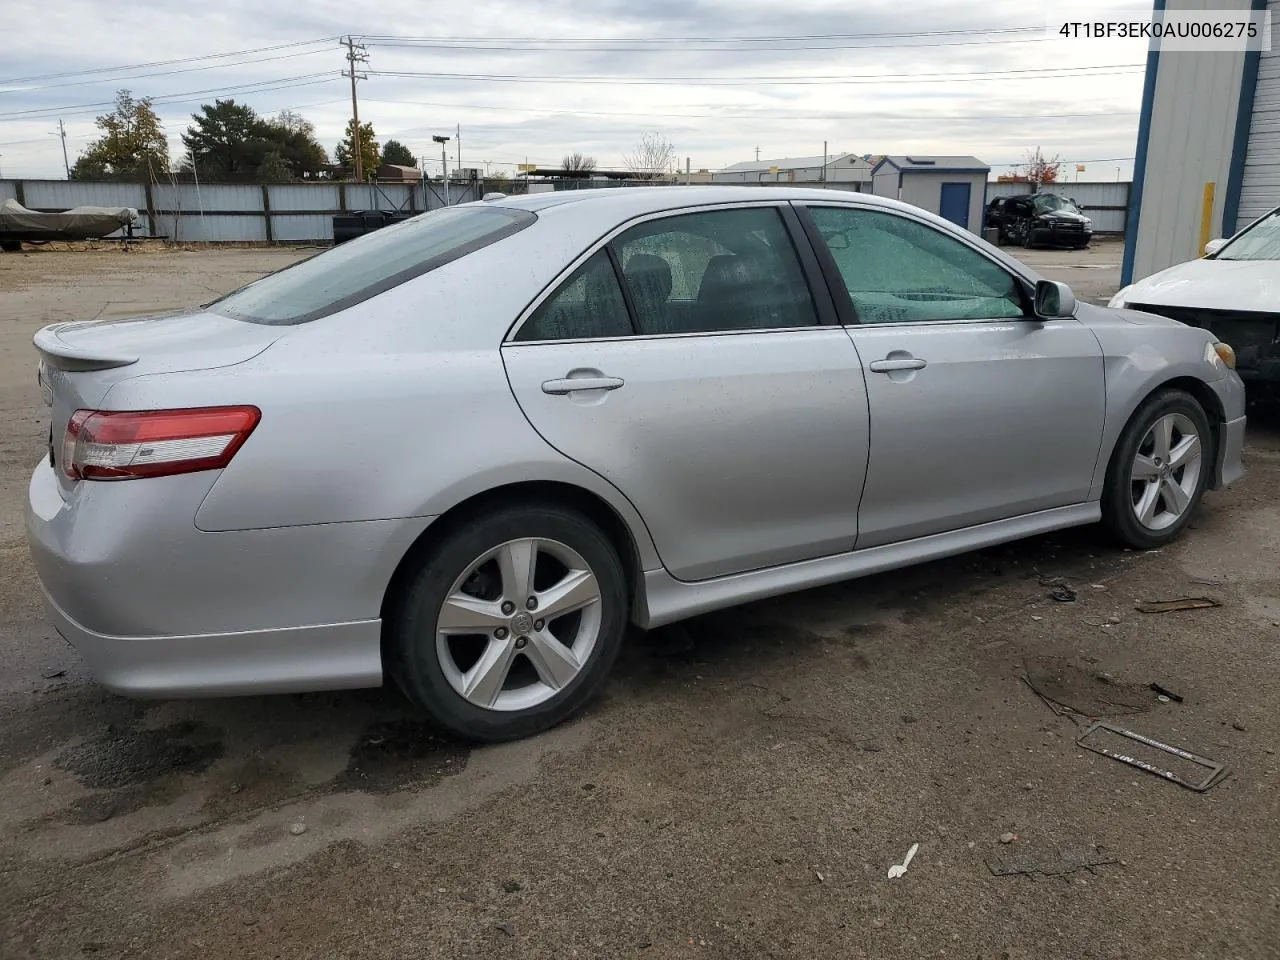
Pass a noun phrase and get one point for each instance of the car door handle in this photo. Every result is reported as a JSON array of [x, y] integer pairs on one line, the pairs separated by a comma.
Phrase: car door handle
[[574, 384], [904, 363]]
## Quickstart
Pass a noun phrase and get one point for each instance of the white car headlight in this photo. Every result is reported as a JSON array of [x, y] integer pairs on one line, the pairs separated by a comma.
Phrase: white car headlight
[[1119, 299]]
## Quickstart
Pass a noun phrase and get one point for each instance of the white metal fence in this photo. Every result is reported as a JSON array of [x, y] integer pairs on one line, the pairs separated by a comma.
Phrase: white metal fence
[[268, 212], [303, 212]]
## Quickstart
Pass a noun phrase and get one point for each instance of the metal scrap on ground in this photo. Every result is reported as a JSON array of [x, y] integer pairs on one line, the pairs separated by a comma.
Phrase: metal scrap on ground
[[1053, 862], [1085, 692], [1217, 771], [1181, 603]]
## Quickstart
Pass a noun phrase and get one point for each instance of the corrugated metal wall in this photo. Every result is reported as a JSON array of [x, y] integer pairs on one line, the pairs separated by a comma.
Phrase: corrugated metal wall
[[219, 212], [1106, 204], [1260, 187], [1190, 133]]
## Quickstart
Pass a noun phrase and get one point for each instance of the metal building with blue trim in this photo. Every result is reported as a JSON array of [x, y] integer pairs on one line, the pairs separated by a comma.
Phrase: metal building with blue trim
[[1208, 155]]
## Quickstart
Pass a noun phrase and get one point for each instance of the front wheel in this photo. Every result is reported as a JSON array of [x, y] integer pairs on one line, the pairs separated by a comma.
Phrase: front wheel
[[1158, 470], [511, 623]]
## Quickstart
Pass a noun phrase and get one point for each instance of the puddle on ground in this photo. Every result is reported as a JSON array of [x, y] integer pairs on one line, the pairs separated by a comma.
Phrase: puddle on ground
[[121, 758], [391, 754]]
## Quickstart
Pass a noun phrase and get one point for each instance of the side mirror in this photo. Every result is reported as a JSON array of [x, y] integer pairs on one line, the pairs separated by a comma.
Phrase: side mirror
[[1213, 246], [1054, 300]]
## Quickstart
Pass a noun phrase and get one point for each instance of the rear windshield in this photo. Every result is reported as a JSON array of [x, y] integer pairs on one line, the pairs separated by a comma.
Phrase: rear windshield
[[368, 265]]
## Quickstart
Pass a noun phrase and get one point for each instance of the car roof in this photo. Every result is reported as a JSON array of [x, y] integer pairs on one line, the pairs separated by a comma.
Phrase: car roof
[[636, 201]]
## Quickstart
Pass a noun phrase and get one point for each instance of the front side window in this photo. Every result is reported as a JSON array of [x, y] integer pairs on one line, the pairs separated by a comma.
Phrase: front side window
[[1260, 242], [715, 271], [368, 265], [902, 271]]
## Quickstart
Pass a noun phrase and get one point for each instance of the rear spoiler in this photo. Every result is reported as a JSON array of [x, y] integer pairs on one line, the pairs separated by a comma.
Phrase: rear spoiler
[[56, 352]]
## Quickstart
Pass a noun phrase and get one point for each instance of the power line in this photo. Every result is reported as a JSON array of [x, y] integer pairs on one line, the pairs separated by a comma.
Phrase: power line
[[1039, 73], [261, 86], [426, 45], [165, 73], [165, 63], [718, 40], [770, 116]]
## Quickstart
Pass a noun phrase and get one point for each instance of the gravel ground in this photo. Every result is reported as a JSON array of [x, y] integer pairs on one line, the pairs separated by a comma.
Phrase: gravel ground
[[739, 791]]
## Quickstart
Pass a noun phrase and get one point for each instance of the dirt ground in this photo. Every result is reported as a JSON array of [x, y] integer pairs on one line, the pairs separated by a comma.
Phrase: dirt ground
[[740, 790]]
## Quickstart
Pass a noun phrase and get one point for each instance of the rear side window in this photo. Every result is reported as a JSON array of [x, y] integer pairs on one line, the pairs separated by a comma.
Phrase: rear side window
[[716, 271], [588, 305], [368, 265]]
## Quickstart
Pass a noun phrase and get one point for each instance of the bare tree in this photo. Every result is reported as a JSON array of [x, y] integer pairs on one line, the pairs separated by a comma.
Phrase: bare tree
[[651, 158], [1039, 168], [578, 163]]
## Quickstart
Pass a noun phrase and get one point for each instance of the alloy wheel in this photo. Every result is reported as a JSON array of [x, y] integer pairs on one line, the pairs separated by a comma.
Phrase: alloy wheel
[[519, 624], [1166, 471]]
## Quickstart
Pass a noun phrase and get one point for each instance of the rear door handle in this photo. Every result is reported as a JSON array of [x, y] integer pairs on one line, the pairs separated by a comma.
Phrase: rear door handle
[[574, 384], [906, 363]]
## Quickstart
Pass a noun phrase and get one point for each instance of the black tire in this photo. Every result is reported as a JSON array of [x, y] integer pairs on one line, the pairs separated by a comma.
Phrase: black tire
[[10, 246], [416, 664], [1118, 510]]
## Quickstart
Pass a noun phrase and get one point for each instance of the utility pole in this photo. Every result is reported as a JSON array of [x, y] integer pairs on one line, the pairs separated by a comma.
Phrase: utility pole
[[823, 178], [356, 53], [458, 131], [444, 164], [757, 154], [62, 132]]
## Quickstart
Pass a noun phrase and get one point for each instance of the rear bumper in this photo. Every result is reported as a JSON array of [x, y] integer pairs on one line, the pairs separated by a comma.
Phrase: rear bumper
[[285, 660], [160, 608]]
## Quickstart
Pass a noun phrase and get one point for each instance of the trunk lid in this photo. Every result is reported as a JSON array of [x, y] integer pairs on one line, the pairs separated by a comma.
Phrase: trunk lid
[[81, 361]]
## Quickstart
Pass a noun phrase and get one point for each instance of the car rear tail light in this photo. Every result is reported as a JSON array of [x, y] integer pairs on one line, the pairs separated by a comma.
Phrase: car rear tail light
[[125, 445]]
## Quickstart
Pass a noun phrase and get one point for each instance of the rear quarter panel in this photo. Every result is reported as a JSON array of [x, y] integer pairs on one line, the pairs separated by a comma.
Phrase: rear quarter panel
[[398, 407]]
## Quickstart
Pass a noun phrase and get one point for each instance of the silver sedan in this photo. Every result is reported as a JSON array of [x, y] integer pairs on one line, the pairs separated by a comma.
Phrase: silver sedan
[[465, 451]]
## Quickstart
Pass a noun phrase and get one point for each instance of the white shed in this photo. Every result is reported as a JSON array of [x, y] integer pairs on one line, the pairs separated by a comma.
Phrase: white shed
[[952, 187]]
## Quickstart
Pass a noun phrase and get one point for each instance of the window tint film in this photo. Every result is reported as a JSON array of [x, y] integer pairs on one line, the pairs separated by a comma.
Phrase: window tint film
[[717, 271], [588, 304], [899, 270], [368, 265]]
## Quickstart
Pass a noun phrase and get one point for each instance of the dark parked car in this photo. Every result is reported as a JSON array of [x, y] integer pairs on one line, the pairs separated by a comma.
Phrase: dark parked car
[[1040, 218]]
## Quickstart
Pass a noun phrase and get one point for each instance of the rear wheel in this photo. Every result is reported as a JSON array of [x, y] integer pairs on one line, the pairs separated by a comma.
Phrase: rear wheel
[[511, 623], [1158, 470]]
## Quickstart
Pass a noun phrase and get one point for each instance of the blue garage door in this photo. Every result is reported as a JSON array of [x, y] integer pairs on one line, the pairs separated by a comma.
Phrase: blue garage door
[[955, 203]]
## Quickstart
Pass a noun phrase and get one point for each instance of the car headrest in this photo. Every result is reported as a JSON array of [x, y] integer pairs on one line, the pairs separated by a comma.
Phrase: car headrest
[[649, 277]]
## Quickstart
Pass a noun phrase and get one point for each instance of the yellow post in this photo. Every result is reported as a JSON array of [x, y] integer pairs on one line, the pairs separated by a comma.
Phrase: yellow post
[[1206, 215]]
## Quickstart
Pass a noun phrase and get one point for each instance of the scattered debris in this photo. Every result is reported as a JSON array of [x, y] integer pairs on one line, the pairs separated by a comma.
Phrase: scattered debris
[[1181, 603], [1165, 692], [1037, 619], [1083, 692], [1008, 837], [872, 746], [1114, 618], [53, 673], [508, 928], [900, 869], [908, 718], [298, 829], [1098, 586], [1162, 698], [512, 886], [1049, 863], [1237, 725], [818, 874], [1217, 771], [1062, 593]]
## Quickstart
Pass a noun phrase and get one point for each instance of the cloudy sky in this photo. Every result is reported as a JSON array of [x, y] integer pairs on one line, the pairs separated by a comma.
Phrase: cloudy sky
[[532, 81]]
